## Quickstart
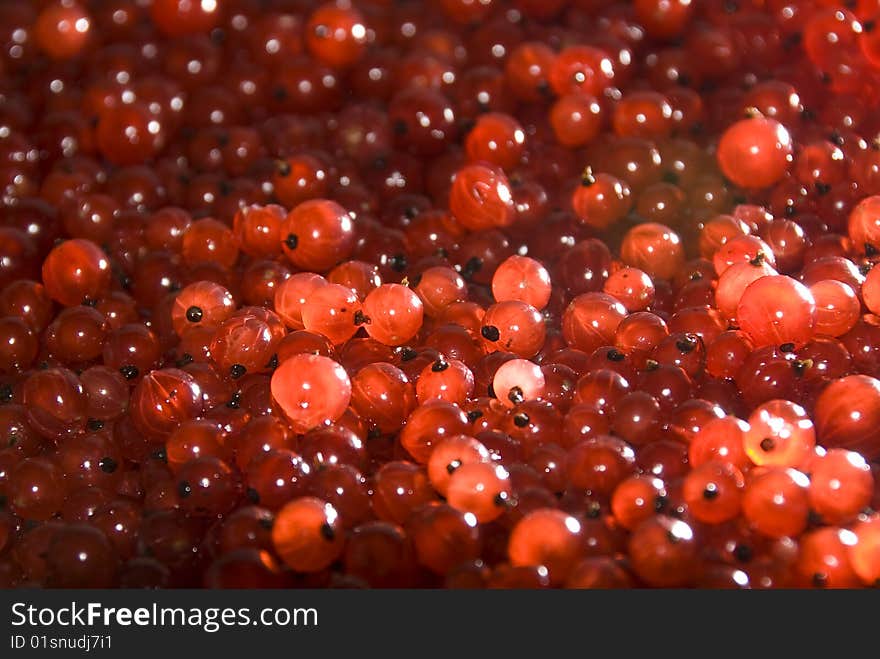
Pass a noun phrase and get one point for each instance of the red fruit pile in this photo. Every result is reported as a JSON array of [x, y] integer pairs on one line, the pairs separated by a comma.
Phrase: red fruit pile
[[460, 293]]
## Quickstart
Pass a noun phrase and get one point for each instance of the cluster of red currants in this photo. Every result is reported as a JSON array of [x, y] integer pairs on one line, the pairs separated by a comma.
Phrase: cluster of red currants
[[461, 293]]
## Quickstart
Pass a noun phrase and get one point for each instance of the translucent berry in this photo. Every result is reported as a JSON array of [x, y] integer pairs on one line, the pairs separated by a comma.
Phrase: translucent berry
[[777, 310], [497, 139], [332, 310], [76, 270], [841, 485], [393, 314], [481, 489], [63, 29], [307, 534], [518, 380], [449, 455], [162, 400], [654, 248], [317, 234], [524, 279], [449, 380], [775, 502], [713, 492], [336, 35], [480, 198], [201, 304], [847, 415], [780, 434], [547, 537]]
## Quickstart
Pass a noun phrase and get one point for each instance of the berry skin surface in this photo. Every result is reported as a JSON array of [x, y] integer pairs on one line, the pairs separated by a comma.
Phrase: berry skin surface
[[311, 390]]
